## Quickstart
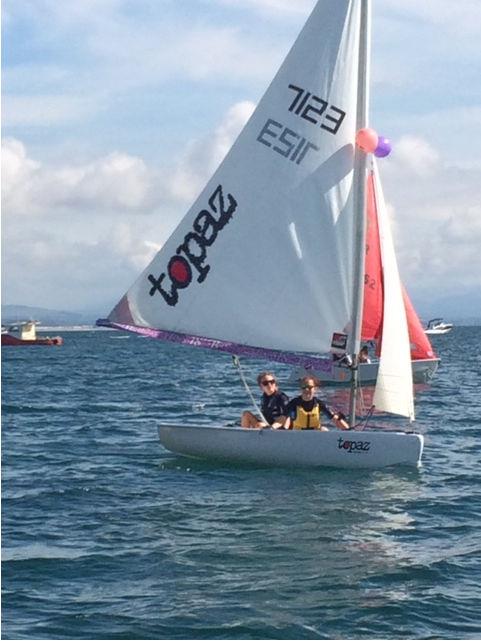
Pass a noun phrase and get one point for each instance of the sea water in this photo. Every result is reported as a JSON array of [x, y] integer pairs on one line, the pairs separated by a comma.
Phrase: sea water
[[108, 536]]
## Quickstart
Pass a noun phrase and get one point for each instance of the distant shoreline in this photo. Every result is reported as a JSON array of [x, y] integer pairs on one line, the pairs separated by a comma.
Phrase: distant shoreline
[[60, 320], [87, 327], [72, 328]]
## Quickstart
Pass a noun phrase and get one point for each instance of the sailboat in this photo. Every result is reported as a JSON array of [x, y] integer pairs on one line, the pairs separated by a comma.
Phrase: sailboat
[[269, 260], [424, 361]]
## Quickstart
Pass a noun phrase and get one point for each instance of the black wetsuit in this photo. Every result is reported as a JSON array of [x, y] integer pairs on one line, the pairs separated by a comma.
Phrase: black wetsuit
[[274, 406]]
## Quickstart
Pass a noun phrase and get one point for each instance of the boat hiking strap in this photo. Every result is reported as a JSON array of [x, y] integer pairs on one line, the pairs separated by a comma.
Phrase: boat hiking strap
[[236, 362]]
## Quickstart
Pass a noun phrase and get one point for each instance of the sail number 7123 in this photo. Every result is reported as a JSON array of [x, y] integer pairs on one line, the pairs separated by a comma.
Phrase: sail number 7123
[[289, 143]]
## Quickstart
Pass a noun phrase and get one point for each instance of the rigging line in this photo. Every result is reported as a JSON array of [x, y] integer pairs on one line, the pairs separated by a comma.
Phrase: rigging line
[[237, 364], [362, 400], [363, 422]]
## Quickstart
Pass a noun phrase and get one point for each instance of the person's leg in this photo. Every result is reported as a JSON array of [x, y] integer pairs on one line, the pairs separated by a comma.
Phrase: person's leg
[[249, 420]]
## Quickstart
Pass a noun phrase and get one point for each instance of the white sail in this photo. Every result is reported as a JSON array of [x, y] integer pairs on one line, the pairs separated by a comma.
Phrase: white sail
[[394, 384], [264, 257]]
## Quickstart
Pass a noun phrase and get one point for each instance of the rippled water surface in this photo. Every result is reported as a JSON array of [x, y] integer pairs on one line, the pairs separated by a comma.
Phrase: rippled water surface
[[108, 536]]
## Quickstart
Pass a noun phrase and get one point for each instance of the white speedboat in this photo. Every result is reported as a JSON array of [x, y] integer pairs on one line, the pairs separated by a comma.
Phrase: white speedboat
[[438, 326]]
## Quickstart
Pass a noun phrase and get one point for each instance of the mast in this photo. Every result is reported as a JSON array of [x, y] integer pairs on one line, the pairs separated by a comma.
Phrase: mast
[[359, 197]]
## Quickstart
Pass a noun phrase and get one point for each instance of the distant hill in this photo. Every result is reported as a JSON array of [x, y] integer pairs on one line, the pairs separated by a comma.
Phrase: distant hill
[[470, 321], [14, 313]]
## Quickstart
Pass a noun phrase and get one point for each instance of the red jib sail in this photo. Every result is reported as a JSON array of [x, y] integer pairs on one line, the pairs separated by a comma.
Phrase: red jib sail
[[373, 290]]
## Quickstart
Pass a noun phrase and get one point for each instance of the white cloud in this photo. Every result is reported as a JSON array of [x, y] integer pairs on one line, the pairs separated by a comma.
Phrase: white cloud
[[274, 7], [463, 16], [417, 155], [125, 242], [16, 172], [43, 267], [117, 181], [114, 182], [437, 218], [103, 52], [79, 235], [203, 156]]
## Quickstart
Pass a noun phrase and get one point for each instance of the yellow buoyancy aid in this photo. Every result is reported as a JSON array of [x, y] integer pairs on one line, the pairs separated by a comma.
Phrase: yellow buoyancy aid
[[305, 420]]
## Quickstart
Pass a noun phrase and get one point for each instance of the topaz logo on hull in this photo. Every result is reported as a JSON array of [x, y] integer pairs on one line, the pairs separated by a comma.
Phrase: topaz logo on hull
[[190, 257], [353, 446]]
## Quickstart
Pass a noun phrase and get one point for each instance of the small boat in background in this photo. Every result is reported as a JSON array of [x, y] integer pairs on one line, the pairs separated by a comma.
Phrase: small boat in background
[[338, 373], [438, 326], [25, 333], [336, 370]]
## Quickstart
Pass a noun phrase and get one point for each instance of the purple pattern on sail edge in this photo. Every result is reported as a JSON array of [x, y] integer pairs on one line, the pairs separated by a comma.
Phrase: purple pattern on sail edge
[[290, 358]]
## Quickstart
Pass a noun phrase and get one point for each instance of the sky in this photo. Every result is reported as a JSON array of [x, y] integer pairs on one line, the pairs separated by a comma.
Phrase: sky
[[116, 112]]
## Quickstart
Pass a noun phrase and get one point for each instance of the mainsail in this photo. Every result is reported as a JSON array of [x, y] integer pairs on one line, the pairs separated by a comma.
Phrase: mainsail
[[263, 258]]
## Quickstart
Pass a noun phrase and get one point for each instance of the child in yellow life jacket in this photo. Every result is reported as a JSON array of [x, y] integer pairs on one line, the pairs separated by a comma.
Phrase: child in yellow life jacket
[[304, 411]]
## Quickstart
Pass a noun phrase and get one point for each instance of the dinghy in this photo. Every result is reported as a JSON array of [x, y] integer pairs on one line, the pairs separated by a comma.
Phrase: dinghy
[[335, 374], [424, 361], [269, 262]]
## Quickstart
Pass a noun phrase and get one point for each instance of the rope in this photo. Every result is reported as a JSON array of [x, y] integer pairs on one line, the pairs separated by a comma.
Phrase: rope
[[363, 423], [362, 402], [236, 361]]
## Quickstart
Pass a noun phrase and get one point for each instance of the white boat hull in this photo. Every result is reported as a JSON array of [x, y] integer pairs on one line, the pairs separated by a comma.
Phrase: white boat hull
[[438, 326], [423, 372], [294, 448]]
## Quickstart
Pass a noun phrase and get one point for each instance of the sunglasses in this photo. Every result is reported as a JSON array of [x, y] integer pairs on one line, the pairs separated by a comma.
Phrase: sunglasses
[[270, 381], [307, 386]]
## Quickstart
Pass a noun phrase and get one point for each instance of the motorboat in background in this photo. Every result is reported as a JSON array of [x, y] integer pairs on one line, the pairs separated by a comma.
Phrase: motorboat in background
[[438, 326], [25, 333]]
